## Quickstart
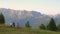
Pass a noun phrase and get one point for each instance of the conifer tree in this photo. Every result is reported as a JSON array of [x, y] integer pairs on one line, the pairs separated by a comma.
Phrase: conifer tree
[[27, 24], [2, 20], [52, 26]]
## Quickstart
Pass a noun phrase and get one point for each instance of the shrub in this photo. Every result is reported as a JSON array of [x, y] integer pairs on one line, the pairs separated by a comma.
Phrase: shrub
[[42, 26]]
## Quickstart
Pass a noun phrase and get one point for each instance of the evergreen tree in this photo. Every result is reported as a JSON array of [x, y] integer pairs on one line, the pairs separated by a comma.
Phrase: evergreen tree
[[52, 26], [2, 20], [27, 24], [42, 26]]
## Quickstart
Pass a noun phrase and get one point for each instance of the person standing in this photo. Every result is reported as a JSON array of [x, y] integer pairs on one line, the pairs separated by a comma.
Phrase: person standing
[[13, 24]]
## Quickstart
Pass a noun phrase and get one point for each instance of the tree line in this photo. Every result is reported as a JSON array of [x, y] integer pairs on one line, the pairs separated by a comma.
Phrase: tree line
[[51, 26]]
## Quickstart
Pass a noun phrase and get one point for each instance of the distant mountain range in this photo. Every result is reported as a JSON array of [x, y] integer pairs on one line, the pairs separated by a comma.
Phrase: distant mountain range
[[22, 16]]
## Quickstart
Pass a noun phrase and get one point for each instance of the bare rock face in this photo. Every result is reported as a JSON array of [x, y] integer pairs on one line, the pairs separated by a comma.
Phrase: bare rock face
[[20, 17]]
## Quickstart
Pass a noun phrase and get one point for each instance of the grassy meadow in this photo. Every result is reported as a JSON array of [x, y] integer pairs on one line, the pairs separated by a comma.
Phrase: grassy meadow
[[12, 30]]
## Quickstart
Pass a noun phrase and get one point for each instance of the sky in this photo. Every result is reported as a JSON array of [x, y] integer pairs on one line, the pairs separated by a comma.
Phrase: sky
[[49, 7]]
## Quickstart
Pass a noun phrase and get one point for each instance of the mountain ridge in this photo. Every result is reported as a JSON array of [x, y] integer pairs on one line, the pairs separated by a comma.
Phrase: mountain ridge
[[35, 18]]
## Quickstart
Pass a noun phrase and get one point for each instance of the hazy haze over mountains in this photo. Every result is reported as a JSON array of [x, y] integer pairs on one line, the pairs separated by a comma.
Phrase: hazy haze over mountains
[[22, 16]]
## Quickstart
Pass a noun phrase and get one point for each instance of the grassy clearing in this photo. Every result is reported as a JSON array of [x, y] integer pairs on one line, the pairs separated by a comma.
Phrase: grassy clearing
[[11, 30]]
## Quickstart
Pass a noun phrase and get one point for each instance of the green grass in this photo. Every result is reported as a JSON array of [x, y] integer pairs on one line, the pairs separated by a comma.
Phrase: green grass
[[11, 30]]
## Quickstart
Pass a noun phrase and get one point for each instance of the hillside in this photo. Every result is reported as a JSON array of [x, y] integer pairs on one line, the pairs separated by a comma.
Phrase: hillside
[[11, 30]]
